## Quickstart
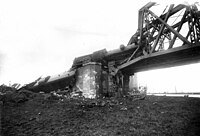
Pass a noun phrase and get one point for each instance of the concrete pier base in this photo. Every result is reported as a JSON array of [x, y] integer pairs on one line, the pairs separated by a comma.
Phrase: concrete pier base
[[88, 81]]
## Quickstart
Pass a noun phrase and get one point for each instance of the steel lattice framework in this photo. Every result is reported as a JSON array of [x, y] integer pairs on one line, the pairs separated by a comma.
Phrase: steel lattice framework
[[171, 39], [155, 33]]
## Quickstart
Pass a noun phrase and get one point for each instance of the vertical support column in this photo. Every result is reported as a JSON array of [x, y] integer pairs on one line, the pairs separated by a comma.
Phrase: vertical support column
[[111, 81], [126, 84], [110, 85], [133, 84], [104, 81]]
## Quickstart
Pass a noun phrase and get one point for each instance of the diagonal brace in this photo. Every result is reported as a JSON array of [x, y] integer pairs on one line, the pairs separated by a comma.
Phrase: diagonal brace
[[179, 28], [162, 28], [170, 28]]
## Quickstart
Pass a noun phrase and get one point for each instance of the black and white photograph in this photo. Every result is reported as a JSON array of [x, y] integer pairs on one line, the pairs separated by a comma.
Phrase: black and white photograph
[[99, 68]]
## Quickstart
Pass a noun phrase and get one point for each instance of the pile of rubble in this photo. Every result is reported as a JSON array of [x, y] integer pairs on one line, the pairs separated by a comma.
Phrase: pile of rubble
[[11, 94], [87, 102]]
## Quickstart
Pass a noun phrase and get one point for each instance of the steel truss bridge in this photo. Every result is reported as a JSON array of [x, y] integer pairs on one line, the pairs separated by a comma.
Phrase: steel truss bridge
[[171, 39]]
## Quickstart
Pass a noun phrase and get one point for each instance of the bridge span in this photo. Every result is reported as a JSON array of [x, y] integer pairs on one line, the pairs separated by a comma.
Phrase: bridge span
[[166, 40], [167, 58], [159, 36]]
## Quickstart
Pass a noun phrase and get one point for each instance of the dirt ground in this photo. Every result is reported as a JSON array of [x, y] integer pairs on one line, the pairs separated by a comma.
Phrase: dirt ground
[[155, 115]]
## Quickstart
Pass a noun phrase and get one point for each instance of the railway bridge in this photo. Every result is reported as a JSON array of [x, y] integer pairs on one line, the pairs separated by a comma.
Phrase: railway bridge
[[166, 40]]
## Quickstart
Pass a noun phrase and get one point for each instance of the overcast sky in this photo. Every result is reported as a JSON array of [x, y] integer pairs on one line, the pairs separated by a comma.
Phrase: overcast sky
[[42, 37]]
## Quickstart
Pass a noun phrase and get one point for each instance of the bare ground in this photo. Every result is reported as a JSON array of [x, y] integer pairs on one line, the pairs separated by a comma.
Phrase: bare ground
[[176, 116]]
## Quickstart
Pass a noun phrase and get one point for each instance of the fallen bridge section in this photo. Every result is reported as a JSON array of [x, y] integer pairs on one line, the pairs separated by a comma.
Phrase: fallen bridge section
[[51, 83]]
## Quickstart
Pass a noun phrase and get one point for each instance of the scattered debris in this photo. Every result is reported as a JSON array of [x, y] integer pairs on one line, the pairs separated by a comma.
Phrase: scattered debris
[[132, 129], [10, 94], [154, 103], [102, 117], [162, 112], [123, 109]]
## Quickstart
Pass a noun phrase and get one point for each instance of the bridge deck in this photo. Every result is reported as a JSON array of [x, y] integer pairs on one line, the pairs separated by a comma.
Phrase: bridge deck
[[168, 58]]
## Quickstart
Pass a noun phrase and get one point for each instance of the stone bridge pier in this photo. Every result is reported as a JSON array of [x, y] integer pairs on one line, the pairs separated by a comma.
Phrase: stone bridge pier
[[94, 80]]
